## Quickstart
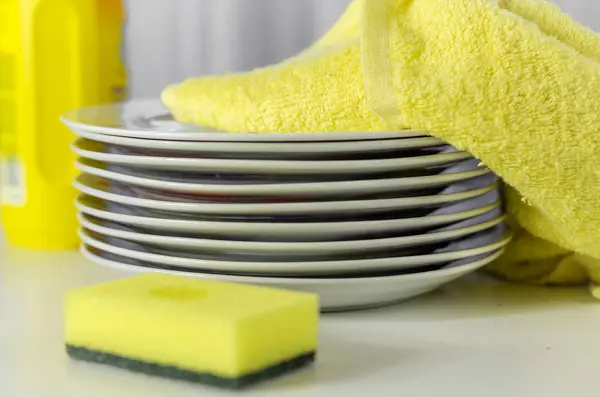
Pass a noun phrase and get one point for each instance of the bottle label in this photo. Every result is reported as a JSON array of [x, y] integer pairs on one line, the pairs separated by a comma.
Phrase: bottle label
[[12, 182]]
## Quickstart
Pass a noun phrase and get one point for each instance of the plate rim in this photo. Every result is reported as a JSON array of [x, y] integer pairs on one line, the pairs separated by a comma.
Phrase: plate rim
[[327, 147], [275, 166], [440, 273], [323, 267], [295, 227], [280, 208], [70, 120], [272, 189], [356, 245]]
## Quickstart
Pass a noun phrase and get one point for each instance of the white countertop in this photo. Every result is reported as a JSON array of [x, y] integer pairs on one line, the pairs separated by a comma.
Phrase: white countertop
[[475, 337]]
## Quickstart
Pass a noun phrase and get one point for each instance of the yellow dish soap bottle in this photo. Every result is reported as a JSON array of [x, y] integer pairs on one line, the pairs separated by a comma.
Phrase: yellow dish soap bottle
[[55, 56]]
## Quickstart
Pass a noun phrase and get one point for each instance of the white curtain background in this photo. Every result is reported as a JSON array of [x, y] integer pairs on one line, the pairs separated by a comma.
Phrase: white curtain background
[[168, 40]]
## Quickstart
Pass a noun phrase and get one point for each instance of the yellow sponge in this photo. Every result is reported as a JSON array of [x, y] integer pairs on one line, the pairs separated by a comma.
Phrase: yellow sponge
[[227, 335]]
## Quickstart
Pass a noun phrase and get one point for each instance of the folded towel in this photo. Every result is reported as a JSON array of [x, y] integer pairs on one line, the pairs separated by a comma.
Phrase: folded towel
[[515, 82]]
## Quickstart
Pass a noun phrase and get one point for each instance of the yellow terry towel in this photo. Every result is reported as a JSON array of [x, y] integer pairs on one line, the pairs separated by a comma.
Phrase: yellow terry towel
[[515, 82]]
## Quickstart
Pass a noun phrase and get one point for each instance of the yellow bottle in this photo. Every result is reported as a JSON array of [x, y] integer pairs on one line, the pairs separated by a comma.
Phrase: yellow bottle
[[55, 55]]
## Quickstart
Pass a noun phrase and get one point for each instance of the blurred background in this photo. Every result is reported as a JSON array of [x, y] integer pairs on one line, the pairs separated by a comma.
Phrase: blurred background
[[168, 40]]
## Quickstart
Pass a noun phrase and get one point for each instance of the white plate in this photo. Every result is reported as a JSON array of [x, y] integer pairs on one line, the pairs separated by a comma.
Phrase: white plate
[[335, 294], [95, 151], [453, 232], [307, 148], [123, 194], [149, 119], [323, 231], [482, 243], [456, 173]]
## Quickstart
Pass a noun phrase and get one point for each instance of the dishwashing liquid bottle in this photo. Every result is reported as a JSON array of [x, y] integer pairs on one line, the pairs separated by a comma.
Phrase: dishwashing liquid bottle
[[55, 56]]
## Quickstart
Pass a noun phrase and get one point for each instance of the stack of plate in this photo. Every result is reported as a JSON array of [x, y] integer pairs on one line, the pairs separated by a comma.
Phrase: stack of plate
[[362, 219]]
